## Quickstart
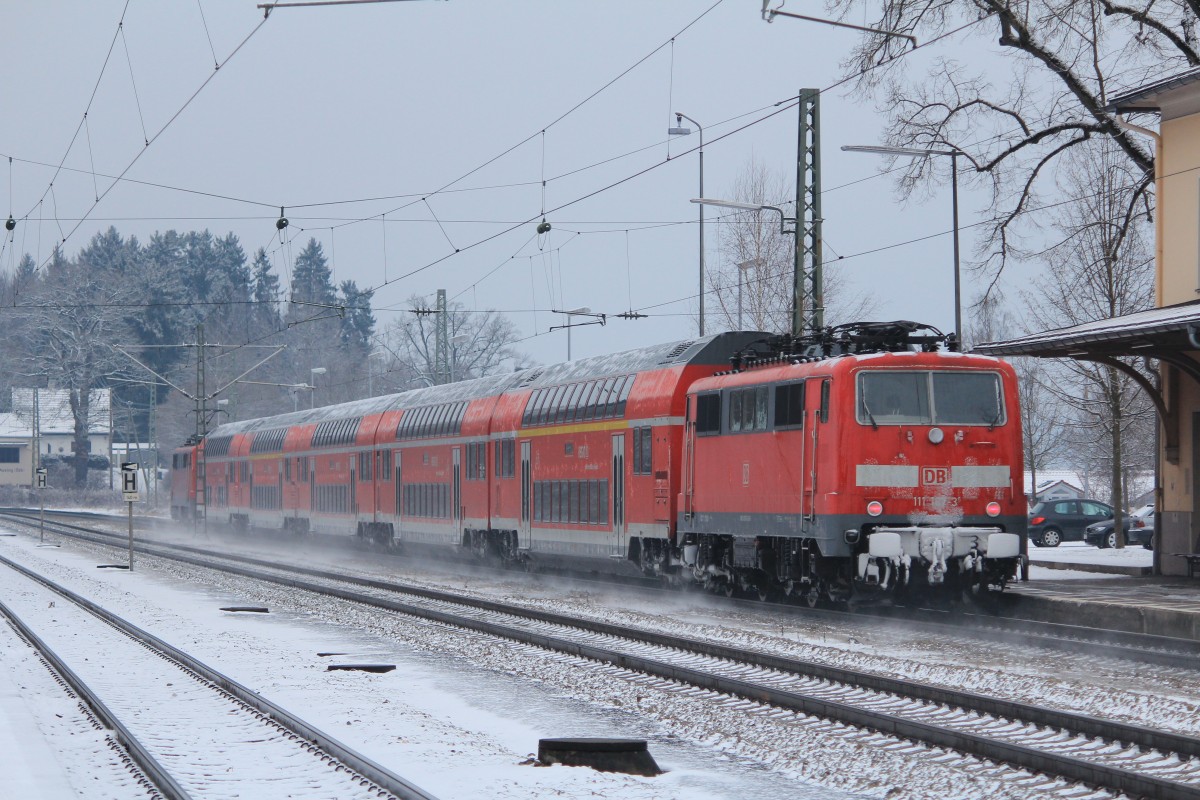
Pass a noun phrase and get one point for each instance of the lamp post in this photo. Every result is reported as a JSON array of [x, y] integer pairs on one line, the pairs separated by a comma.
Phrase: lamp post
[[312, 395], [783, 221], [679, 130], [597, 319], [455, 341], [926, 153], [741, 268]]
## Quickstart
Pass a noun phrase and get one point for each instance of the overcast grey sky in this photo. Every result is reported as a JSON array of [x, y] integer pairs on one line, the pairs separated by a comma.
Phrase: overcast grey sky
[[323, 106]]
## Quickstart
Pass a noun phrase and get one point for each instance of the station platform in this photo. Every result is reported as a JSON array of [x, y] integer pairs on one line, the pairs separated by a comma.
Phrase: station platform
[[1076, 584]]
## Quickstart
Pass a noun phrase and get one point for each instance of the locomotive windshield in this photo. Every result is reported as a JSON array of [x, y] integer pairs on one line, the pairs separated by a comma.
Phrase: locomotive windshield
[[930, 398]]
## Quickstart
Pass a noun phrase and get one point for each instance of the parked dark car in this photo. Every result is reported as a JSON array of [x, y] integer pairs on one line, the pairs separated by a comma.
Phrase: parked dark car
[[1139, 529], [1055, 521]]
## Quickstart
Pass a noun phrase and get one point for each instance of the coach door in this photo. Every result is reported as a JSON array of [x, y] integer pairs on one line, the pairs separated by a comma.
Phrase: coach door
[[618, 492], [525, 539], [456, 510], [816, 399], [398, 465]]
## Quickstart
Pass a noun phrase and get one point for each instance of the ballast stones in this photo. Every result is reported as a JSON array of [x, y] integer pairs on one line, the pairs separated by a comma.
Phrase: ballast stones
[[630, 756]]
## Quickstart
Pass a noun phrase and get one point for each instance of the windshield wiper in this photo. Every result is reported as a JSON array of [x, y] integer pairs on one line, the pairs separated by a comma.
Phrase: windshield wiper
[[870, 416]]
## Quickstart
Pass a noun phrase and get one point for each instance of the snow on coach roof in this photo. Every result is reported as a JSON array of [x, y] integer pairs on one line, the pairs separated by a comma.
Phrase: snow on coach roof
[[712, 349]]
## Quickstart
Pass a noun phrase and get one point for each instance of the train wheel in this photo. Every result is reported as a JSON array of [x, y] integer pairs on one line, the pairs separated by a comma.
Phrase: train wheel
[[813, 596]]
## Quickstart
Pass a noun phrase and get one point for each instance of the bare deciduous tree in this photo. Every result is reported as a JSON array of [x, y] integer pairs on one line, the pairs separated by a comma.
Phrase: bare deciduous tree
[[756, 263], [1070, 58], [484, 347], [76, 316], [1100, 268]]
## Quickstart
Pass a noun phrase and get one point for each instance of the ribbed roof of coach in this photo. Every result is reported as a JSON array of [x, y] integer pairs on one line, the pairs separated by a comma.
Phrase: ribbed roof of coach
[[712, 349]]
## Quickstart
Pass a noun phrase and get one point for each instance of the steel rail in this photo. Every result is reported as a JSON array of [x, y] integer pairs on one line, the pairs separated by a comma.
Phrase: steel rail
[[1081, 724], [1104, 642], [155, 772], [1074, 769], [1068, 767], [372, 770]]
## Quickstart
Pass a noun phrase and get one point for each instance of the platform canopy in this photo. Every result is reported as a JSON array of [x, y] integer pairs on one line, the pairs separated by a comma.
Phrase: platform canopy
[[1170, 334], [1171, 329]]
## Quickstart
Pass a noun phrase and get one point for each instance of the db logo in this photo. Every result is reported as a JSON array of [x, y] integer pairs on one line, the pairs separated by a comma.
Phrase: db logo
[[935, 476]]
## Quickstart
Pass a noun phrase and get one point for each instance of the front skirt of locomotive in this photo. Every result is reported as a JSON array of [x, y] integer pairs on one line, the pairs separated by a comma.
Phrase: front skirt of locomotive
[[929, 556]]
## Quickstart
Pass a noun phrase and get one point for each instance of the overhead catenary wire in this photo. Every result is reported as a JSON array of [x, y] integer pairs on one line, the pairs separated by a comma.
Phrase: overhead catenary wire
[[150, 139]]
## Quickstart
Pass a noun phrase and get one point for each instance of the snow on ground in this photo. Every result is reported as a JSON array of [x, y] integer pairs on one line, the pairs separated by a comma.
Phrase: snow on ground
[[462, 716], [455, 728], [1084, 555]]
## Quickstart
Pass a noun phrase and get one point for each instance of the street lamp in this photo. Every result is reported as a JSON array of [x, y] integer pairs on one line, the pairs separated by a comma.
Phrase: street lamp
[[679, 130], [926, 153], [597, 319], [741, 268], [312, 395], [455, 341]]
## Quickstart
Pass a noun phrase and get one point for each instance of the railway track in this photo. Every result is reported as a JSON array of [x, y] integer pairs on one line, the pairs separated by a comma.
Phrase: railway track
[[192, 731], [1072, 747], [1138, 648]]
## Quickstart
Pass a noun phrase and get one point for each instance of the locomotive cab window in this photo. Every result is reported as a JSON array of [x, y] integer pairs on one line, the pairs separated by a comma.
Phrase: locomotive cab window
[[708, 414], [930, 398], [789, 405]]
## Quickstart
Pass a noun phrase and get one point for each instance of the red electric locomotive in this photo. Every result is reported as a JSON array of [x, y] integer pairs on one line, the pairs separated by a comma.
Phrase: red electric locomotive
[[865, 459]]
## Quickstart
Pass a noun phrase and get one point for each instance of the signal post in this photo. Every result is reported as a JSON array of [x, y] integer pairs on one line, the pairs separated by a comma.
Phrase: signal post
[[129, 492], [41, 484]]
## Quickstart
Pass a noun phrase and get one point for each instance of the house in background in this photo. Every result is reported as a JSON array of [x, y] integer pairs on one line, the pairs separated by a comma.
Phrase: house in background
[[55, 436], [1054, 485], [16, 451]]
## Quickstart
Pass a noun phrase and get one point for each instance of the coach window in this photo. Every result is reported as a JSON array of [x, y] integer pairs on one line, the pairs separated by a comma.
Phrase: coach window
[[547, 402], [546, 413], [566, 411], [587, 401], [573, 403], [626, 388], [547, 397], [643, 439], [563, 412], [789, 405], [531, 406], [560, 402], [575, 412], [536, 402], [510, 458]]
